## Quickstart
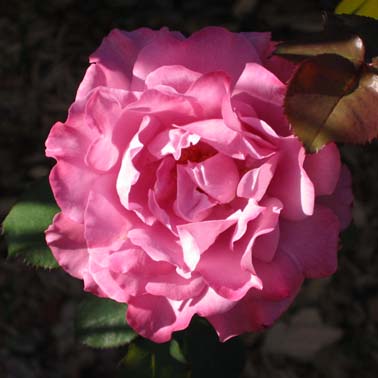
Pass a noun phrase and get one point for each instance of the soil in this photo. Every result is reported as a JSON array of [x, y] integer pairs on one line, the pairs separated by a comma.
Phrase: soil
[[332, 328]]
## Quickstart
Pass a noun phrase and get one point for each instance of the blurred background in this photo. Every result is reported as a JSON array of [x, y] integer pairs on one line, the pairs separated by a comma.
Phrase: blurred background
[[330, 331]]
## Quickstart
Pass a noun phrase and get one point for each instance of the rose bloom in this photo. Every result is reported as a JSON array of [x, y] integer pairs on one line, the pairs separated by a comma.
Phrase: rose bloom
[[182, 187]]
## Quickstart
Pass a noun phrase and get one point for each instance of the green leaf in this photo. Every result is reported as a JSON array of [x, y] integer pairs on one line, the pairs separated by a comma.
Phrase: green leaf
[[145, 359], [25, 225], [329, 99], [360, 7], [101, 323], [176, 352]]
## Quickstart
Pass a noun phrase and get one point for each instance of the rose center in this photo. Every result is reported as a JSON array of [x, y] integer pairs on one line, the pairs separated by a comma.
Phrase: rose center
[[196, 153]]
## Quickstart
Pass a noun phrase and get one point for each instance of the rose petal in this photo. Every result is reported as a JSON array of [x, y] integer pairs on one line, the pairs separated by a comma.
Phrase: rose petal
[[255, 182], [323, 169], [171, 142], [175, 287], [291, 184], [280, 277], [233, 282], [105, 224], [209, 91], [155, 318], [132, 196], [196, 238], [168, 107], [102, 154], [261, 41], [204, 51], [115, 56], [261, 231], [175, 76], [191, 204], [260, 83], [65, 238], [248, 315], [217, 176], [124, 273], [63, 178], [251, 211], [313, 242], [341, 201], [227, 141], [158, 243]]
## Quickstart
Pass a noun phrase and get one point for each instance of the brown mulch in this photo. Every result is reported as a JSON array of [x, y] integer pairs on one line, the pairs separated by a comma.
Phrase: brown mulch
[[330, 331]]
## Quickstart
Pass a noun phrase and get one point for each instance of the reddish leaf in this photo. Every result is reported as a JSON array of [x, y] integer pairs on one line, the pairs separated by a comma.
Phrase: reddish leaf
[[329, 99], [365, 27], [349, 46], [351, 36]]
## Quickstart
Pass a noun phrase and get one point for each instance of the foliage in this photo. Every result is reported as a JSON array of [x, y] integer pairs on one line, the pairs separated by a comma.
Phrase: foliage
[[25, 225], [101, 323], [359, 7], [332, 94]]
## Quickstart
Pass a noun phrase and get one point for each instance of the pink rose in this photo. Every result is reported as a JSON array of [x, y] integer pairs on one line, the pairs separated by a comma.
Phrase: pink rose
[[182, 188]]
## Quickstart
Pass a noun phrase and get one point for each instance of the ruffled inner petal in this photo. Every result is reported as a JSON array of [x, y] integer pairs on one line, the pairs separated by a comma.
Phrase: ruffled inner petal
[[217, 176], [209, 91], [177, 77], [159, 243], [291, 183], [196, 238], [255, 182], [191, 204], [171, 142], [221, 269]]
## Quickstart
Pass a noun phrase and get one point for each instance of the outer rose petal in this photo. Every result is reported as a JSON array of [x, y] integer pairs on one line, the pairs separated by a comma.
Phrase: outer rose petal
[[323, 169], [341, 201], [280, 277], [65, 237], [106, 225], [116, 56], [207, 50], [65, 176], [313, 242], [156, 317], [249, 314], [258, 82], [261, 41]]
